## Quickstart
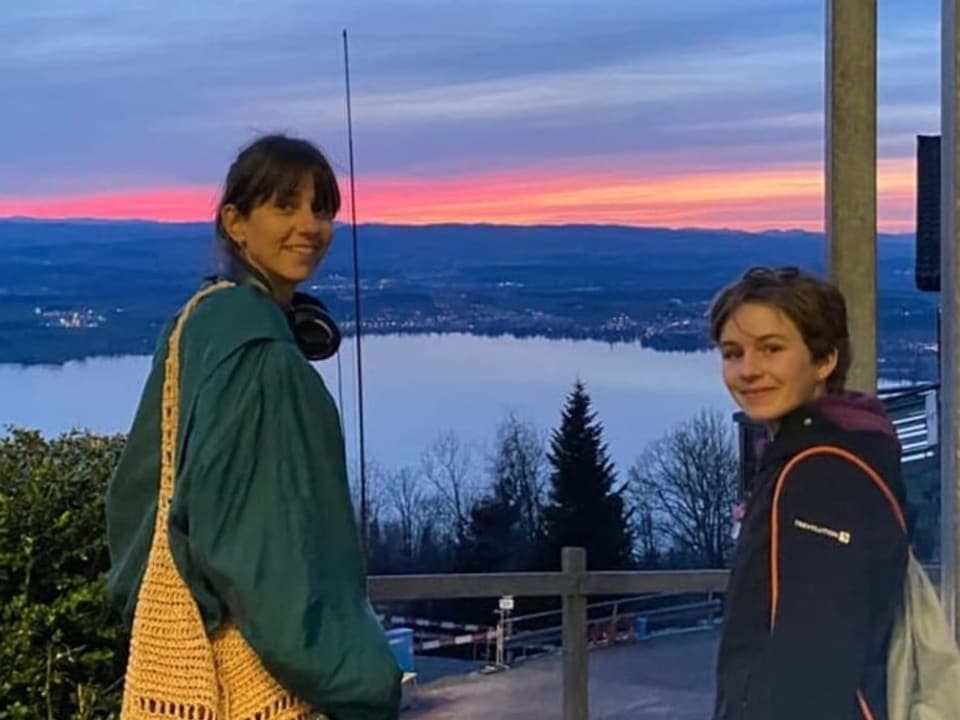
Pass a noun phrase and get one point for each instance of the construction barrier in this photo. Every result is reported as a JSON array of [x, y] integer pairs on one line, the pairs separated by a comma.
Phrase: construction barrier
[[467, 639]]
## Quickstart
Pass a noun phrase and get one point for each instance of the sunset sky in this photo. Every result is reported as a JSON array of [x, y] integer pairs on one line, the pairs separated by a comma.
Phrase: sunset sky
[[704, 113]]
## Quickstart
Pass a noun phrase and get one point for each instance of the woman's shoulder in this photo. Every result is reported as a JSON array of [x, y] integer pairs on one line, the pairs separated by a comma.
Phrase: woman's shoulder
[[230, 318], [239, 306]]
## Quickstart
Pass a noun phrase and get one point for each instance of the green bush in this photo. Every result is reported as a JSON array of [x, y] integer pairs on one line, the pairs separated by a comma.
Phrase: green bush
[[61, 647]]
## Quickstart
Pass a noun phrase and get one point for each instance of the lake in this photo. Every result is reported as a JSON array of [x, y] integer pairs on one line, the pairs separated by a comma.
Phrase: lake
[[419, 386]]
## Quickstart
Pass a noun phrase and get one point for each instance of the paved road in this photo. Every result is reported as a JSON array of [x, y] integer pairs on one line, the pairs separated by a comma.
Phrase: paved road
[[662, 678]]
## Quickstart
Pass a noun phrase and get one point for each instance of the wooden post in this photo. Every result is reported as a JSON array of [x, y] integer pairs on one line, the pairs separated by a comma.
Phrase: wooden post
[[576, 672]]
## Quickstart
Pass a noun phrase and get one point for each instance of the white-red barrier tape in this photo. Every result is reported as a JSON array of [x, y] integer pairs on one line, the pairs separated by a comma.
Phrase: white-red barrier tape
[[426, 622], [456, 640]]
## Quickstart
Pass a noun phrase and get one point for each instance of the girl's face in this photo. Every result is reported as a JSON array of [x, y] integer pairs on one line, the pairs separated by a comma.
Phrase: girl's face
[[284, 238], [767, 366]]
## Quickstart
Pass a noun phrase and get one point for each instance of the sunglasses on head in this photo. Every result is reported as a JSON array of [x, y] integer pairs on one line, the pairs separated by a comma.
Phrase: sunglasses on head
[[761, 272]]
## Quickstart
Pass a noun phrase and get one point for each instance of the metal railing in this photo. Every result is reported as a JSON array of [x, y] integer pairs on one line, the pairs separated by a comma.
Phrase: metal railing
[[914, 412], [573, 584], [610, 622]]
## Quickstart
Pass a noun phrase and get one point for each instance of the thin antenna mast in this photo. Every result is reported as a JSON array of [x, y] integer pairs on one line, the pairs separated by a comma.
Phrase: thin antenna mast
[[356, 303]]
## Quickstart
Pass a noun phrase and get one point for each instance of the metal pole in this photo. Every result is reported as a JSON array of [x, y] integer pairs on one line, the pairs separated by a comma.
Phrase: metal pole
[[364, 532], [500, 638], [950, 312], [575, 663], [851, 169]]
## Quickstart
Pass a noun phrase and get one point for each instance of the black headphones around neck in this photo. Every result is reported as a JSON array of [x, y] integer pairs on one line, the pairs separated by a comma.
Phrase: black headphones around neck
[[314, 328], [317, 334]]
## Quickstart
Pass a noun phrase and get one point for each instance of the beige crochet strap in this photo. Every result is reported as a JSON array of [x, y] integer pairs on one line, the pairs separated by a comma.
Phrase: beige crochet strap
[[170, 423], [175, 670]]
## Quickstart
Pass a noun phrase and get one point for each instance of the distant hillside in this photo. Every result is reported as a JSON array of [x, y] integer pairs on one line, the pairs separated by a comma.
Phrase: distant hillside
[[116, 281], [408, 248]]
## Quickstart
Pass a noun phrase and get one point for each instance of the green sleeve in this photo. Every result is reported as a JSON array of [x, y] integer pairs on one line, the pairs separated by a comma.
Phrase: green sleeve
[[131, 495], [272, 530]]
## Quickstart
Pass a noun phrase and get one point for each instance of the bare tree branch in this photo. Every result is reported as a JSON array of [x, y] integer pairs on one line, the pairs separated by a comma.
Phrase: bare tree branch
[[410, 507], [447, 464], [684, 487], [519, 469]]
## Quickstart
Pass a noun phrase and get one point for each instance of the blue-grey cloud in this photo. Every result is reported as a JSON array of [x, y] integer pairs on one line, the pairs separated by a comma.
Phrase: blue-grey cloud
[[99, 94]]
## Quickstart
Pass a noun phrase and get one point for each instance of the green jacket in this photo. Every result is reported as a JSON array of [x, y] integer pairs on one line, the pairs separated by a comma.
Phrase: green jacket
[[261, 525]]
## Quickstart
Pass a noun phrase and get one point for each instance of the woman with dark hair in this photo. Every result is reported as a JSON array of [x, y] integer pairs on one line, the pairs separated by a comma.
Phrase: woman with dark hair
[[235, 554], [818, 573]]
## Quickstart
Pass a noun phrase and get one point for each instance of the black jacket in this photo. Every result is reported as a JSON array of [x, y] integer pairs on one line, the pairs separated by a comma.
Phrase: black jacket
[[818, 571]]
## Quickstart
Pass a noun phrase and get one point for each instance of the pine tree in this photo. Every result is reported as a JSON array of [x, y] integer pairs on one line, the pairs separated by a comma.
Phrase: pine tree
[[584, 509]]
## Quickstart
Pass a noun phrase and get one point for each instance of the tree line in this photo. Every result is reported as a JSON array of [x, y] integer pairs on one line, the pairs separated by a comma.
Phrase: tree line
[[513, 508]]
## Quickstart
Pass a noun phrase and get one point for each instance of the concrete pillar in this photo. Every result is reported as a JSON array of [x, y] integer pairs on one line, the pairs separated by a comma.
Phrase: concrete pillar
[[949, 310], [851, 170]]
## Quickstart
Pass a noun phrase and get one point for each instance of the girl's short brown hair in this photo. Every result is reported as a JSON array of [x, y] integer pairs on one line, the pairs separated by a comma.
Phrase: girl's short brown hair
[[815, 306]]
